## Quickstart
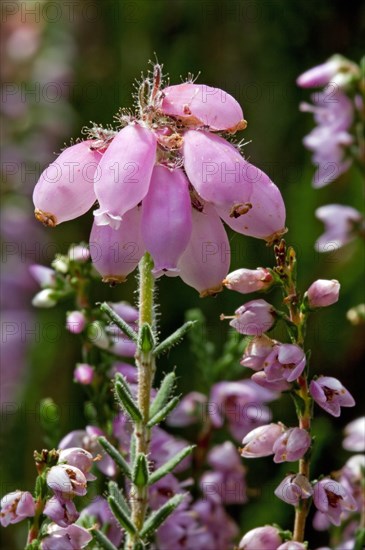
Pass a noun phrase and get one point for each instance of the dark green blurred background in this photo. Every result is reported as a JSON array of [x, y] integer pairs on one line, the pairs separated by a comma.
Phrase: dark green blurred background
[[254, 50]]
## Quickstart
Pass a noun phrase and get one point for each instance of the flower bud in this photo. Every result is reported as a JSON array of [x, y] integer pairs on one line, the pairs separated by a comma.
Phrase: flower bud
[[256, 352], [249, 280], [44, 299], [61, 512], [66, 538], [294, 488], [260, 441], [263, 538], [322, 293], [202, 105], [124, 174], [66, 481], [65, 189], [292, 545], [45, 276], [205, 262], [84, 374], [75, 322], [291, 445], [166, 218], [116, 252], [78, 253], [15, 507], [254, 318], [337, 70], [354, 432], [330, 394]]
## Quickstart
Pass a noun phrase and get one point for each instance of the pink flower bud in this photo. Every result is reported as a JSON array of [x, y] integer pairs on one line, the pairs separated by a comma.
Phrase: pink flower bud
[[260, 441], [61, 512], [66, 481], [66, 538], [320, 75], [291, 445], [286, 361], [79, 253], [263, 538], [44, 299], [249, 280], [292, 545], [331, 498], [205, 262], [202, 105], [65, 189], [293, 489], [266, 217], [254, 318], [15, 507], [45, 276], [124, 174], [330, 394], [75, 322], [322, 293], [79, 458], [84, 374], [166, 218], [256, 352], [116, 252]]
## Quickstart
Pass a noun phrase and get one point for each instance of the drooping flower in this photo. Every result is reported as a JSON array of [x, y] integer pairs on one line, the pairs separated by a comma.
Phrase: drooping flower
[[265, 538], [260, 441], [332, 499], [322, 293], [330, 394], [256, 352], [341, 223], [254, 318], [249, 280], [72, 537], [15, 507], [285, 362], [292, 545], [66, 481], [100, 512], [79, 458], [291, 445], [337, 70], [293, 489], [62, 512]]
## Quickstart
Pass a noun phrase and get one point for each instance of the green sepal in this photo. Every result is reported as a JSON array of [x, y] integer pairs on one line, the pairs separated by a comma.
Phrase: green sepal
[[146, 339], [116, 493], [127, 402], [164, 412], [170, 465], [116, 456], [174, 338], [140, 472], [121, 516], [157, 518], [163, 393], [121, 324], [103, 540]]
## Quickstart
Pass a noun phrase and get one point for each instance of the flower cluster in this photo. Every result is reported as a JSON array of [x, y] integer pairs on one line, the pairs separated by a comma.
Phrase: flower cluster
[[164, 182]]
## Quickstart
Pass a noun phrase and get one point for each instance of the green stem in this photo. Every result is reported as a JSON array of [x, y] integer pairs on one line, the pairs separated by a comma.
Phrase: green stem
[[146, 369]]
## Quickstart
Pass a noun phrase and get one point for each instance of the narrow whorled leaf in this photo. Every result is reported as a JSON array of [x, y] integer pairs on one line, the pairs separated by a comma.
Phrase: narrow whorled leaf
[[116, 493], [169, 466], [140, 472], [115, 455], [121, 324], [121, 516], [120, 378], [162, 413], [157, 518], [103, 540], [127, 402], [173, 339], [163, 393], [146, 339]]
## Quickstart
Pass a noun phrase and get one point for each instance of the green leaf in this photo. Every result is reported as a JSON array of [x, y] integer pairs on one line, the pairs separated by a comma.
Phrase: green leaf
[[121, 380], [170, 465], [116, 493], [140, 473], [163, 393], [146, 339], [161, 414], [103, 540], [121, 516], [359, 539], [174, 338], [115, 455], [124, 327], [157, 518], [127, 402]]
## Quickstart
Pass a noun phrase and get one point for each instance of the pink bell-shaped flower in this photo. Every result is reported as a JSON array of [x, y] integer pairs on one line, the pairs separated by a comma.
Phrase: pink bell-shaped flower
[[116, 252], [205, 262], [124, 174], [65, 189], [202, 105], [166, 218], [217, 170]]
